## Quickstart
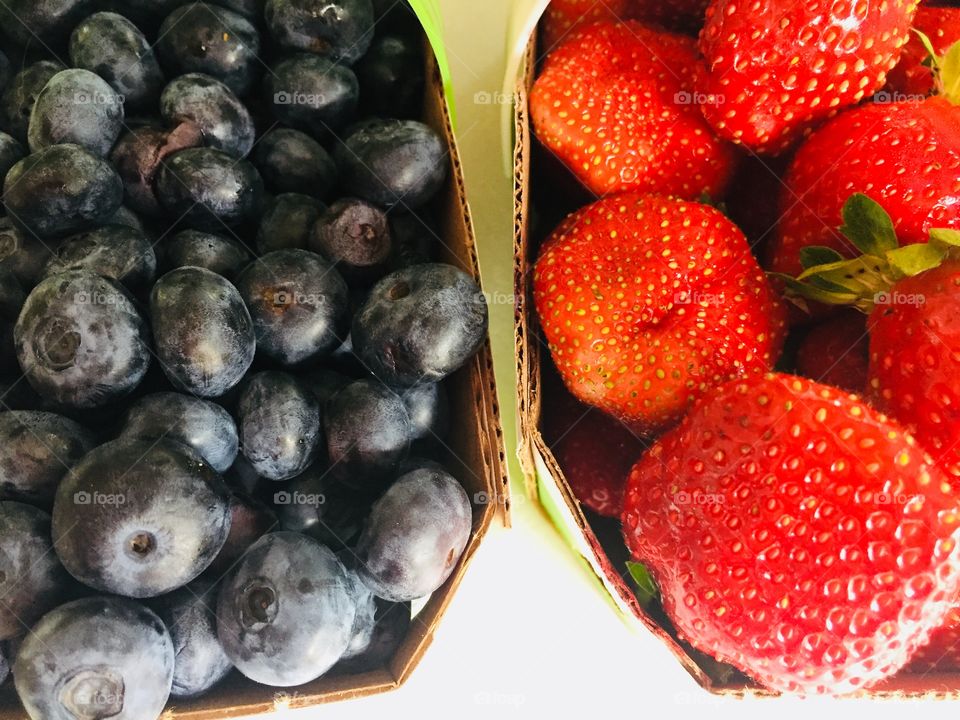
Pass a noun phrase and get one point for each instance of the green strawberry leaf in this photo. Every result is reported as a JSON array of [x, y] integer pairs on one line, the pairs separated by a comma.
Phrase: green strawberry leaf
[[912, 260], [812, 291], [933, 59], [946, 236], [868, 226], [949, 75], [814, 255], [646, 587]]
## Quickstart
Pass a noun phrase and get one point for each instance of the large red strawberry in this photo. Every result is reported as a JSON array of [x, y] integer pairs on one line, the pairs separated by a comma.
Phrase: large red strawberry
[[616, 104], [563, 16], [779, 67], [913, 76], [906, 155], [647, 301], [835, 352], [797, 534]]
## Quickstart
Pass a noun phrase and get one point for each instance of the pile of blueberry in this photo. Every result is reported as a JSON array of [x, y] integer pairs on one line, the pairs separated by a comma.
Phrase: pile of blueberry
[[223, 341]]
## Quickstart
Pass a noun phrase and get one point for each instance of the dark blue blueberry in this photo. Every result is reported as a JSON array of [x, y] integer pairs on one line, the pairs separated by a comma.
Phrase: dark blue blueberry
[[205, 38], [190, 616], [429, 410], [98, 657], [339, 29], [36, 450], [391, 77], [207, 189], [313, 94], [16, 103], [32, 581], [292, 161], [368, 432], [279, 423], [114, 48], [415, 536], [11, 152], [365, 619], [44, 23], [206, 102], [22, 254], [355, 236], [140, 517], [285, 615], [393, 162], [78, 107], [249, 521], [391, 622], [216, 253], [113, 251], [420, 324], [80, 340], [298, 302], [287, 222], [138, 156], [202, 330], [60, 190], [203, 425]]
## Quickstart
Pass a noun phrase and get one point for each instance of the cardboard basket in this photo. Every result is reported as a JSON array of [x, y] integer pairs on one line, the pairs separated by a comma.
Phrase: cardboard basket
[[476, 457], [598, 540]]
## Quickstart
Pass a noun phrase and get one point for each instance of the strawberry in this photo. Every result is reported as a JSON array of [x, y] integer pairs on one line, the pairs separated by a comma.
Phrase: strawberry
[[646, 301], [563, 16], [797, 534], [776, 68], [905, 154], [913, 76], [616, 104], [911, 294], [835, 352]]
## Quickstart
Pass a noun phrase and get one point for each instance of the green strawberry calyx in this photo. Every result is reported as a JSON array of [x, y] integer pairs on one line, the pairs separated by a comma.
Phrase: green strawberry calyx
[[832, 279], [946, 68]]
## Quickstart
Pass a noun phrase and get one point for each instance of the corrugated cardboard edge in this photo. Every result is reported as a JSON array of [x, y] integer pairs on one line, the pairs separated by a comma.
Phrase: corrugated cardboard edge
[[482, 470], [544, 479]]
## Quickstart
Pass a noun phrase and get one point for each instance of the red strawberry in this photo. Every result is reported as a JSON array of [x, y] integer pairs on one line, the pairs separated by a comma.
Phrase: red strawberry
[[906, 155], [616, 104], [835, 352], [646, 301], [779, 67], [796, 534], [563, 16], [912, 76]]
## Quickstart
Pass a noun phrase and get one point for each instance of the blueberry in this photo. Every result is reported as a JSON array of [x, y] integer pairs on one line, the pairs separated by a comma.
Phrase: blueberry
[[210, 105], [203, 333], [364, 620], [12, 298], [204, 426], [300, 505], [279, 422], [217, 253], [368, 432], [249, 521], [79, 107], [114, 48], [415, 535], [41, 22], [355, 236], [98, 657], [22, 254], [313, 94], [292, 161], [205, 38], [128, 218], [113, 251], [140, 517], [391, 76], [36, 450], [190, 616], [420, 324], [138, 156], [18, 99], [298, 302], [208, 189], [393, 162], [81, 341], [339, 29], [391, 622], [32, 581], [429, 410], [60, 190], [287, 222], [11, 152], [5, 663], [286, 613]]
